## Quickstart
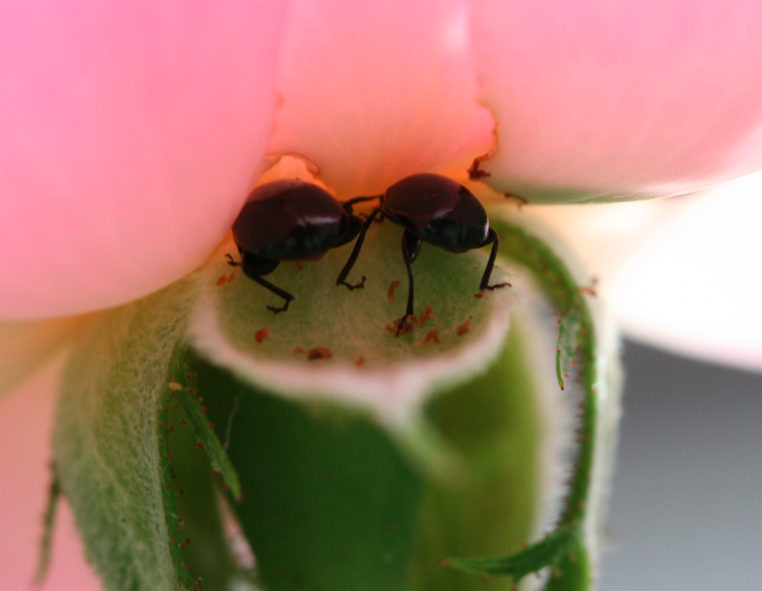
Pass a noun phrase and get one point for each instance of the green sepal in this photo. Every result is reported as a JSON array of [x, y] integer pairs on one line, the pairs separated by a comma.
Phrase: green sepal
[[577, 343], [494, 425], [329, 503], [183, 389], [107, 435]]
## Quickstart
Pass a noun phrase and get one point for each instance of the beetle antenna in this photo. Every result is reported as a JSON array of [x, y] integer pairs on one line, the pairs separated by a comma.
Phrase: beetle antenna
[[347, 205]]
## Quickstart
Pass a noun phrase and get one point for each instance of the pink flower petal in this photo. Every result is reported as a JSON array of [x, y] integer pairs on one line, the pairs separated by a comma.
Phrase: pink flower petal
[[375, 91], [618, 100], [26, 418], [131, 133]]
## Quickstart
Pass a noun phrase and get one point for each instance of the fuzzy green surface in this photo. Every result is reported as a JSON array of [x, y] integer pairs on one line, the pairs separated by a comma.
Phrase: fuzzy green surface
[[369, 365], [351, 323], [106, 438], [571, 550], [491, 509]]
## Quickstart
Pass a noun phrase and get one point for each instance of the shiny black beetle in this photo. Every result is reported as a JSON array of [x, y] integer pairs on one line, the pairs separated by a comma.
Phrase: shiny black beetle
[[289, 220], [434, 209]]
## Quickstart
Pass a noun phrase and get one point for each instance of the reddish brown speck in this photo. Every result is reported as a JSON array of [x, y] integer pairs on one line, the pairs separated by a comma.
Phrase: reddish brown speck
[[198, 446], [479, 294], [168, 486], [261, 335], [299, 266], [225, 280], [431, 337], [392, 288], [444, 562], [359, 361], [211, 425], [170, 456], [427, 315], [299, 351], [319, 353], [203, 409], [464, 328]]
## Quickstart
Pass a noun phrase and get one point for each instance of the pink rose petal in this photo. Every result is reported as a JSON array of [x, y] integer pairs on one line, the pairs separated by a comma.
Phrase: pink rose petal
[[26, 418], [619, 100], [131, 132], [375, 91]]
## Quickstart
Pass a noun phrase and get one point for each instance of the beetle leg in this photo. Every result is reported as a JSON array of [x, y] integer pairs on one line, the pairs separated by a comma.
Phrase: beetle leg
[[254, 267], [411, 246], [232, 262], [277, 291], [495, 240], [355, 253]]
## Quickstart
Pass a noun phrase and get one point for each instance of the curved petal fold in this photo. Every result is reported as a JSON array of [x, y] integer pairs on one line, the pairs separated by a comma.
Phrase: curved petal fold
[[373, 92], [607, 101], [131, 134]]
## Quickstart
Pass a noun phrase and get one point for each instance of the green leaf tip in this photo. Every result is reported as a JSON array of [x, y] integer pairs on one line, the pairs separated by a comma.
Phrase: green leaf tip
[[547, 553], [48, 525], [182, 387]]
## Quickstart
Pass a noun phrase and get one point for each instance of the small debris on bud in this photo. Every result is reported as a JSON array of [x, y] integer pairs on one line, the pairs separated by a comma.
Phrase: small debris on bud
[[261, 335], [464, 328], [392, 288], [319, 353], [431, 336]]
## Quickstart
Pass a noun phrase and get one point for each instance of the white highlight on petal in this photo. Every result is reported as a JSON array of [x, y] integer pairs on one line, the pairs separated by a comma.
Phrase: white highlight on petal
[[694, 286]]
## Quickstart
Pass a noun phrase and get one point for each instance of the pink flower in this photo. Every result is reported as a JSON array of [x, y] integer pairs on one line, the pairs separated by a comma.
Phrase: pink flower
[[131, 133]]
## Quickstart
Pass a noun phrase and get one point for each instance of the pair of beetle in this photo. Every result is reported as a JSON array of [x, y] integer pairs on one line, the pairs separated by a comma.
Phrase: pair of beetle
[[292, 219]]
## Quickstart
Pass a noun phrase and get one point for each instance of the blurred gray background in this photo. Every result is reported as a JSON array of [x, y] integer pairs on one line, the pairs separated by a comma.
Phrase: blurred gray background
[[686, 513]]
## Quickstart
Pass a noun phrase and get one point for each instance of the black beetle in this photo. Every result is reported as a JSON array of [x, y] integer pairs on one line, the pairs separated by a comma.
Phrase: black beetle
[[435, 209], [291, 219]]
